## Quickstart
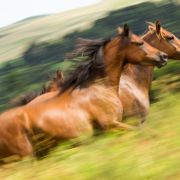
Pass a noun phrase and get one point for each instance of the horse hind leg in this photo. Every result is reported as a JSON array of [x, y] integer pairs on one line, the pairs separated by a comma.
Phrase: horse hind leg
[[121, 125], [18, 148], [25, 147], [106, 121], [15, 149], [19, 145]]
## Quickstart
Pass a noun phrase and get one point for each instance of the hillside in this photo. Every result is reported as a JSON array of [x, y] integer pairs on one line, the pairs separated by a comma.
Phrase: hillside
[[17, 37]]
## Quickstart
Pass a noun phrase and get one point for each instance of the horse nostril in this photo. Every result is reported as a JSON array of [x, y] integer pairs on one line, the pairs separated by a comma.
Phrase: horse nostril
[[164, 56]]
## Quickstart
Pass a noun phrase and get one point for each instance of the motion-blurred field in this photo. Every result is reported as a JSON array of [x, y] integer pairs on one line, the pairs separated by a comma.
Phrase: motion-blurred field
[[152, 152], [33, 48]]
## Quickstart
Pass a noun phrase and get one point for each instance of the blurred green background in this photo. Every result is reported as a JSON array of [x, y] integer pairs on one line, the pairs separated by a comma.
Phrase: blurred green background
[[32, 49]]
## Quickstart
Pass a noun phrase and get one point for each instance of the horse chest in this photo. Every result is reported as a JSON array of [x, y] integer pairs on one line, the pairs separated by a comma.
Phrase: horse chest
[[135, 99]]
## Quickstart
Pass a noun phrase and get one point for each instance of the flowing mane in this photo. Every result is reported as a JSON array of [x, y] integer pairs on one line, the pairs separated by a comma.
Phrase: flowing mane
[[88, 57]]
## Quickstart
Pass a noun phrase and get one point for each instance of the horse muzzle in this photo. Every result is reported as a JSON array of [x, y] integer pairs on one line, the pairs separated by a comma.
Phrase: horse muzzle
[[163, 59]]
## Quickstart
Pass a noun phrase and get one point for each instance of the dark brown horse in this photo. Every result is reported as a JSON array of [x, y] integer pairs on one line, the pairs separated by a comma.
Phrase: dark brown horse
[[136, 80], [88, 96]]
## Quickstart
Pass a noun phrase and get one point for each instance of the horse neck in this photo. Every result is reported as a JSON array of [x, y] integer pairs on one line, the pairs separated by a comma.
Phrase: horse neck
[[141, 75], [114, 65]]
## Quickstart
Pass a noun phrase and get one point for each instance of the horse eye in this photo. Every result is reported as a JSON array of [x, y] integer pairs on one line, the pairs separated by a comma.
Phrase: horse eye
[[138, 43], [169, 38]]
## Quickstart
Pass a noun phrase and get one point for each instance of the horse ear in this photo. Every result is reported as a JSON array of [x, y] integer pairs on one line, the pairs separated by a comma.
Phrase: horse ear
[[150, 25], [119, 30], [59, 74], [151, 28], [43, 89], [126, 30], [158, 27]]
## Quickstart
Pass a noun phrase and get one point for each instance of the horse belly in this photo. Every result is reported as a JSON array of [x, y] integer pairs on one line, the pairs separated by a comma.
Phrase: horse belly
[[65, 124]]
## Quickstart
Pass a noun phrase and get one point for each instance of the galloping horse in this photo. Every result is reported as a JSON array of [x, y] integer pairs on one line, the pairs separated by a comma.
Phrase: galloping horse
[[88, 96], [52, 86], [136, 80]]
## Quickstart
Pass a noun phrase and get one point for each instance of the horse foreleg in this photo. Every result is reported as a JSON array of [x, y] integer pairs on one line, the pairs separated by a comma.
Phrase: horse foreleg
[[110, 122], [121, 125]]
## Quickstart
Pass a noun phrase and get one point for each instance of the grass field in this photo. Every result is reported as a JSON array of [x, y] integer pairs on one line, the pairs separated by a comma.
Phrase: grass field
[[152, 152]]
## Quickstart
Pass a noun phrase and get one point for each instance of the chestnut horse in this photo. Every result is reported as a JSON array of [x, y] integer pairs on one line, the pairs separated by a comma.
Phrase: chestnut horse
[[136, 80], [88, 96], [136, 90]]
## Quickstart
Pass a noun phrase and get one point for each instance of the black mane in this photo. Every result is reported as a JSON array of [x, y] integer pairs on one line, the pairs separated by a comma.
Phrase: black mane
[[89, 64]]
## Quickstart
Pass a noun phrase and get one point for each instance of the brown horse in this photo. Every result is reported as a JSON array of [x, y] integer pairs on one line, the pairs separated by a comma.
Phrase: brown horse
[[88, 96], [136, 80], [52, 86]]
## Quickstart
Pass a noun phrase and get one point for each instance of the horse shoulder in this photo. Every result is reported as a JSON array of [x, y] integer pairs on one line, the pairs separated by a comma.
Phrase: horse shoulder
[[134, 98]]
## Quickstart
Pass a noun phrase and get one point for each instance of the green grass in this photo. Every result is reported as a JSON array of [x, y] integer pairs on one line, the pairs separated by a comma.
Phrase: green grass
[[153, 152]]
